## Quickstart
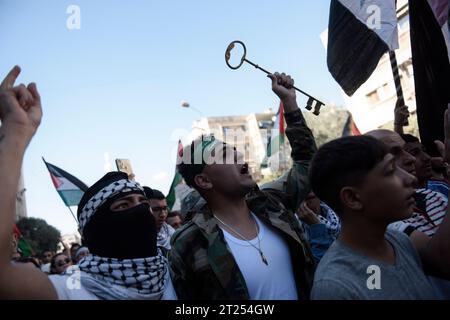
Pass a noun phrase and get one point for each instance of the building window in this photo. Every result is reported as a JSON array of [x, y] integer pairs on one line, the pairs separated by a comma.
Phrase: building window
[[403, 23], [232, 130], [384, 92], [373, 97]]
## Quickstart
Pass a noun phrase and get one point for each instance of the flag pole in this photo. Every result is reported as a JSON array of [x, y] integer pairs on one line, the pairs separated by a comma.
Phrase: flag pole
[[73, 214], [398, 84]]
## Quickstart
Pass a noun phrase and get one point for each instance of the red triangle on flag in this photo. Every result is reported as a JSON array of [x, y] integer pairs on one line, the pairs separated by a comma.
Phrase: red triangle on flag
[[56, 182], [281, 118]]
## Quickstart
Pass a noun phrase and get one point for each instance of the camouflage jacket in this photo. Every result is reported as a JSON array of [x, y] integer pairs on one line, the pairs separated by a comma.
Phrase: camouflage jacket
[[295, 183], [201, 264]]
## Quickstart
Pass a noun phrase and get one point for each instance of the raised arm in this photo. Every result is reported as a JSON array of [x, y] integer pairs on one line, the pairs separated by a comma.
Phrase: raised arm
[[295, 183], [436, 255], [20, 114], [401, 115]]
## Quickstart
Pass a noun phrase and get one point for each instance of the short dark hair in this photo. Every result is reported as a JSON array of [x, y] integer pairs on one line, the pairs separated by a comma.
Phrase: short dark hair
[[343, 162], [46, 250], [189, 170], [28, 260], [154, 194], [173, 214], [53, 261], [409, 138]]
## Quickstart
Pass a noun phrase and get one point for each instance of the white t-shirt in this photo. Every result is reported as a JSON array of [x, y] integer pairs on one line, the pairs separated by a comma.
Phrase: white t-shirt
[[69, 288], [45, 268], [274, 281]]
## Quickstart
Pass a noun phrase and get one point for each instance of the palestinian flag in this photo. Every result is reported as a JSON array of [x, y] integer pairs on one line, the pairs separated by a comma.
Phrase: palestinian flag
[[279, 130], [350, 128], [22, 245], [177, 179], [69, 188], [277, 138], [359, 33]]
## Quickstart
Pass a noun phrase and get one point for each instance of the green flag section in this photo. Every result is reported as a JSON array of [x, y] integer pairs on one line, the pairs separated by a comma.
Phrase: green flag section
[[171, 197], [177, 179], [24, 248], [22, 245], [70, 189]]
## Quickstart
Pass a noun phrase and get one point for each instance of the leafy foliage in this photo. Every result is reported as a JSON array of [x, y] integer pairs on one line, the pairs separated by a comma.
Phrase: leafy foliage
[[38, 234]]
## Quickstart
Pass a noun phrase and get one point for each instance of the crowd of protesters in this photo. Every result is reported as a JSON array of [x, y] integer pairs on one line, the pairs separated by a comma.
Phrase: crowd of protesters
[[362, 217]]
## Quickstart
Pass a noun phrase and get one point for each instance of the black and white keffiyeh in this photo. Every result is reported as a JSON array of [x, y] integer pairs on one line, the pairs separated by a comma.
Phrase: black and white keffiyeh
[[164, 236], [137, 279], [330, 219], [102, 196]]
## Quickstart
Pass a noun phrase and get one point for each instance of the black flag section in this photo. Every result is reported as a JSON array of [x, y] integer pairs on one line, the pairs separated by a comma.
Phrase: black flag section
[[353, 50], [431, 73]]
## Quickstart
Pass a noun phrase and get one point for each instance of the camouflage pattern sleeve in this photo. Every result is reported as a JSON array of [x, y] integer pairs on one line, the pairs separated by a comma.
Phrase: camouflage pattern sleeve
[[300, 137], [179, 274], [296, 181]]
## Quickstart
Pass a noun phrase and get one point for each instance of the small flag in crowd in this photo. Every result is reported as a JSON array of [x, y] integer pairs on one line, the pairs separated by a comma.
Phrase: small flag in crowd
[[277, 140], [69, 188], [350, 128], [22, 245], [280, 132], [359, 33]]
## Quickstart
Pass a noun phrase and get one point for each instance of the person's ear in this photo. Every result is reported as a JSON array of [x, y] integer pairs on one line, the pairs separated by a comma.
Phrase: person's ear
[[203, 182], [351, 198]]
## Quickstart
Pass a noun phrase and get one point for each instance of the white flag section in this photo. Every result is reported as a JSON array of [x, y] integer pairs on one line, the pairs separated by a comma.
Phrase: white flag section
[[360, 32], [379, 16], [181, 191]]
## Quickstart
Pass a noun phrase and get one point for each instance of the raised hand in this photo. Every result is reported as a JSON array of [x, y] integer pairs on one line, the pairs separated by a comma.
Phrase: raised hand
[[401, 113], [307, 215], [444, 148], [20, 106], [282, 86]]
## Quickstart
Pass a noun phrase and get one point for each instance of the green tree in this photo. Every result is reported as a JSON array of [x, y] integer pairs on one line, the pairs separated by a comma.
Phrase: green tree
[[328, 125], [38, 234]]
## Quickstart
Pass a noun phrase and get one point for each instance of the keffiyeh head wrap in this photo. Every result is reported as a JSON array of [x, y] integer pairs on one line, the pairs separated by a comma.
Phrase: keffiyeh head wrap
[[125, 262], [112, 184]]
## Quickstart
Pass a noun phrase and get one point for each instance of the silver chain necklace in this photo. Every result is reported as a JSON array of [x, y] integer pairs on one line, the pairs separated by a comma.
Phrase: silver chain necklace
[[263, 258]]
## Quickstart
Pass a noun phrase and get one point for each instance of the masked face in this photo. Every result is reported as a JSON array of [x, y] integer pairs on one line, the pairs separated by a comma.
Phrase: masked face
[[124, 229]]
